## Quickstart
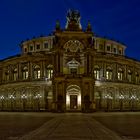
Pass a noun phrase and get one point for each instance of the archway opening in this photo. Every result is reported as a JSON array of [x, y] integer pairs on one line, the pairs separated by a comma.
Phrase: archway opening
[[73, 97]]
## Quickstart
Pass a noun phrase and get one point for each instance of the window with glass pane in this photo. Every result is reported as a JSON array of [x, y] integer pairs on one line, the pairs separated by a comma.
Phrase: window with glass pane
[[31, 48], [129, 76], [108, 48], [49, 73], [108, 74], [25, 73], [15, 75], [46, 45], [101, 46], [36, 72], [120, 51], [120, 74], [97, 74], [25, 49], [38, 46], [115, 50]]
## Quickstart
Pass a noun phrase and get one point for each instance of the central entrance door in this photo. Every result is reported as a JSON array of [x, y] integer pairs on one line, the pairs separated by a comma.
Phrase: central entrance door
[[73, 98], [73, 101]]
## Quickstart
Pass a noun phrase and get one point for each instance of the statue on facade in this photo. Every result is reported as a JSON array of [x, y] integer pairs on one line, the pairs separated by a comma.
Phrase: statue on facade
[[73, 20]]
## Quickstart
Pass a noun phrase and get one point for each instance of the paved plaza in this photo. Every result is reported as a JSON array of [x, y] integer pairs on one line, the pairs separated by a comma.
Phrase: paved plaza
[[69, 126]]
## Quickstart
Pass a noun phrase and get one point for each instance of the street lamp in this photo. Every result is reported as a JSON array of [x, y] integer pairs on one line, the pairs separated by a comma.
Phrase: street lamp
[[108, 99], [11, 97], [121, 97], [23, 97], [1, 99], [37, 97]]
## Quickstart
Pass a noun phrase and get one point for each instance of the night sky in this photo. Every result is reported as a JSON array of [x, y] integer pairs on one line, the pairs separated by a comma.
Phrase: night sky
[[23, 19]]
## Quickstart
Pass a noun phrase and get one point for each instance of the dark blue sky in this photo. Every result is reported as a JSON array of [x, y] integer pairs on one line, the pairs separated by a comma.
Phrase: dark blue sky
[[22, 19]]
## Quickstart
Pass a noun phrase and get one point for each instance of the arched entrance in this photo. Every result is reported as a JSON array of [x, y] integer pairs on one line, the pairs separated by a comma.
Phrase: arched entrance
[[73, 98]]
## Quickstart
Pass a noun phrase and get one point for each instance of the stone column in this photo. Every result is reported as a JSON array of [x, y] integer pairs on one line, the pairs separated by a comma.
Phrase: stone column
[[29, 70], [19, 71], [42, 69]]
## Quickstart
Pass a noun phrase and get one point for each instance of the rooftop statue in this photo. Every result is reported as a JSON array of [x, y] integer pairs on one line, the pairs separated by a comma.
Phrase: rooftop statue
[[73, 20]]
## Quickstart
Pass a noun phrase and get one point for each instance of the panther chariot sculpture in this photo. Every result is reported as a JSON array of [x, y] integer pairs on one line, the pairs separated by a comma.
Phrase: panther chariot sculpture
[[73, 20]]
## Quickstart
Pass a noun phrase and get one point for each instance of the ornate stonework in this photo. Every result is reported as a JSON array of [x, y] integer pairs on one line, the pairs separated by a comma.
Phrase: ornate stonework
[[73, 70]]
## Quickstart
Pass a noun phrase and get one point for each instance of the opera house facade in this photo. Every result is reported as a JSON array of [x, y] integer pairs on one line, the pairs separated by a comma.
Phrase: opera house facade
[[70, 70]]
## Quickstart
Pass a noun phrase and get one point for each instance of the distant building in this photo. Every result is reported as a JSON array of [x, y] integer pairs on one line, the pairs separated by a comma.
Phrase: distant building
[[72, 70]]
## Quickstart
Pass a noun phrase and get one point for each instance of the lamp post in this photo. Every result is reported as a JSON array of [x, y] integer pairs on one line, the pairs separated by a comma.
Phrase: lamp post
[[37, 97], [23, 97], [121, 98], [1, 99], [132, 98], [108, 99], [11, 97]]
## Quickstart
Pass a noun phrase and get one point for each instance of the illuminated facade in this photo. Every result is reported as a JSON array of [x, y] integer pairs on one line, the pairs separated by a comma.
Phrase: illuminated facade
[[72, 70]]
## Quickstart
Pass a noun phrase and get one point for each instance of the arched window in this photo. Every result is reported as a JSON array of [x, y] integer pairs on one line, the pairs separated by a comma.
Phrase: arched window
[[15, 74], [109, 73], [49, 71], [36, 72], [120, 74], [97, 72], [73, 46], [25, 73], [73, 66], [129, 75]]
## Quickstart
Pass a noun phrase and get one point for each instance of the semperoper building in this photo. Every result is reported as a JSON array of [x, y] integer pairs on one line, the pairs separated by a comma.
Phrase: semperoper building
[[70, 70]]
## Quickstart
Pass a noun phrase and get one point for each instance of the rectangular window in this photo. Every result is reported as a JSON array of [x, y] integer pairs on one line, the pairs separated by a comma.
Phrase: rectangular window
[[35, 74], [49, 73], [31, 48], [115, 50], [46, 45], [120, 51], [108, 75], [38, 46], [25, 49], [129, 77], [15, 76], [97, 74], [120, 75], [101, 46], [38, 74], [25, 75], [108, 48]]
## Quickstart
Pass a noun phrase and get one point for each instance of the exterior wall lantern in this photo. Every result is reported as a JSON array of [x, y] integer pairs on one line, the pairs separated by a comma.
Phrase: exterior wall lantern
[[108, 101], [24, 98], [121, 98], [133, 98], [37, 99], [12, 98], [2, 100]]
